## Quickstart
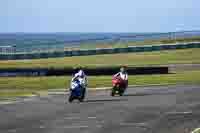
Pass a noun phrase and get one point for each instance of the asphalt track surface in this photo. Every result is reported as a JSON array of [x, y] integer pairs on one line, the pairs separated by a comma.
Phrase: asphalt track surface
[[167, 109]]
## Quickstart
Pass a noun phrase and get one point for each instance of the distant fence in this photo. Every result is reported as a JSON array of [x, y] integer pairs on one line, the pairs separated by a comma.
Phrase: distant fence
[[89, 71], [7, 49], [20, 56]]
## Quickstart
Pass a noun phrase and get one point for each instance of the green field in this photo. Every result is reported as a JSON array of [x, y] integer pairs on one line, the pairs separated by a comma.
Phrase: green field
[[184, 56], [21, 86], [28, 85], [139, 43], [119, 44], [15, 93]]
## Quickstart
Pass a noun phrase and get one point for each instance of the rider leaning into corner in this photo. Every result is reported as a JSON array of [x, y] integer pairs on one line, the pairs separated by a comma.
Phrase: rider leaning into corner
[[79, 73], [123, 75]]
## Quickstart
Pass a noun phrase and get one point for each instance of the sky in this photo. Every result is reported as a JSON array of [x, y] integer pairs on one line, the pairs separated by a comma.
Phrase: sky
[[99, 15]]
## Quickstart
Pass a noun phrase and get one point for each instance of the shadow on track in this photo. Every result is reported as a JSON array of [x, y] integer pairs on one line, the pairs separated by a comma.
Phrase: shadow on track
[[147, 94], [105, 100], [137, 94]]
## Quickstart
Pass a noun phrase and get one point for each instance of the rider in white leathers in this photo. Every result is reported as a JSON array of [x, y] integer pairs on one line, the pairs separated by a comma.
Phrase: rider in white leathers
[[80, 75]]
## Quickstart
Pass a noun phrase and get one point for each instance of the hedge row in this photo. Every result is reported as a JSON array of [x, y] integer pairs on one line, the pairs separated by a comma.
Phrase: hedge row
[[146, 48], [89, 71]]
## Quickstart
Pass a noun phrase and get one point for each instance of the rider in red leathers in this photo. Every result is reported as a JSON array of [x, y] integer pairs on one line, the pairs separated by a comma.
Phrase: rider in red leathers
[[124, 76]]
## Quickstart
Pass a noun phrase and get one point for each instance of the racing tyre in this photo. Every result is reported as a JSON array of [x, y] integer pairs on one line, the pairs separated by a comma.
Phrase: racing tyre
[[121, 92], [70, 98], [80, 100], [113, 92], [83, 94]]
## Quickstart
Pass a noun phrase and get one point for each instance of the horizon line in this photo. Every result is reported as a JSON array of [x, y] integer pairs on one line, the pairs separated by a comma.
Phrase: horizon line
[[96, 32]]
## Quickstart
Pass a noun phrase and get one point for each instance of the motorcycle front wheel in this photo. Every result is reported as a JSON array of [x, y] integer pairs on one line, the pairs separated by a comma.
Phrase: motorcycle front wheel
[[113, 91], [71, 98]]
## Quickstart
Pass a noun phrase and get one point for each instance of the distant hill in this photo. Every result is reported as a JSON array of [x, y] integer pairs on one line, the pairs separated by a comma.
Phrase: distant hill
[[44, 41]]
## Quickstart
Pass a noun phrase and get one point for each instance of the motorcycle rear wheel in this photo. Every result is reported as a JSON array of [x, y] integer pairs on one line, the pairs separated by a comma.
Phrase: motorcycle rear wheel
[[83, 95], [121, 92], [80, 100], [71, 98]]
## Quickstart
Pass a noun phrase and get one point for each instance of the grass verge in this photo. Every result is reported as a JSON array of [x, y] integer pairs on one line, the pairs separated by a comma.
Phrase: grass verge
[[184, 56], [26, 86], [15, 94]]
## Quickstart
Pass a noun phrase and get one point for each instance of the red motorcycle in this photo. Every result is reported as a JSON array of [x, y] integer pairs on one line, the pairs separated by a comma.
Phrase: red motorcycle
[[119, 86]]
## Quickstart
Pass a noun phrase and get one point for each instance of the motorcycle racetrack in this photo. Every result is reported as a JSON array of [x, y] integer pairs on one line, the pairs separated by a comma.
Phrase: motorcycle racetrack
[[155, 109]]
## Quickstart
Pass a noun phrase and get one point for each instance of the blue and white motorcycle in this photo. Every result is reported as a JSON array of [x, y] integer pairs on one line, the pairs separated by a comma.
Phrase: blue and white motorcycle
[[77, 90]]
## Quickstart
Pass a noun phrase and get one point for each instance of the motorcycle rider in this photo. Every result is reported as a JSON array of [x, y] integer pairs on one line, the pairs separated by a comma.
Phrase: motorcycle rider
[[79, 73], [123, 75]]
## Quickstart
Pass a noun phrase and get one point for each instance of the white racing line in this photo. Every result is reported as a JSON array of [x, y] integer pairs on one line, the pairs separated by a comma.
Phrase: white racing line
[[142, 125], [179, 113], [76, 126], [92, 117], [197, 130], [81, 126], [31, 98], [72, 118], [17, 101], [133, 124], [7, 102], [42, 127], [77, 118], [12, 130]]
